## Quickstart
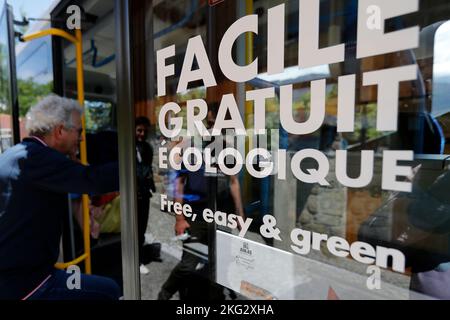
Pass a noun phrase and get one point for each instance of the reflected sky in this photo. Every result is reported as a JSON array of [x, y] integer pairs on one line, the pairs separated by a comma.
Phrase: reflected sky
[[31, 8], [441, 71], [442, 51], [35, 62]]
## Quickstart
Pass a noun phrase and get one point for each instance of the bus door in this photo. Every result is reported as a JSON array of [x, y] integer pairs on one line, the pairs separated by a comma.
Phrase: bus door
[[101, 135]]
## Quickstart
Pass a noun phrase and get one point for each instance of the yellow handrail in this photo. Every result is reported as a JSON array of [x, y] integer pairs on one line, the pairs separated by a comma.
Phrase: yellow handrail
[[52, 32], [78, 42], [64, 265]]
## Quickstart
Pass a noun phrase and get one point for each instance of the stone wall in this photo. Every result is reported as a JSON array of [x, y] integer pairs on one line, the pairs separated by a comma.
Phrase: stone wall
[[325, 209]]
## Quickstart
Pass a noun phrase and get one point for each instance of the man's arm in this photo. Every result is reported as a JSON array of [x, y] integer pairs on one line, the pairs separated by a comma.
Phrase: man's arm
[[51, 170], [181, 223]]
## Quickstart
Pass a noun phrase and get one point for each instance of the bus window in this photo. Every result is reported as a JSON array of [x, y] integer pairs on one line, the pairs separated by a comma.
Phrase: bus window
[[34, 74], [7, 95], [98, 116]]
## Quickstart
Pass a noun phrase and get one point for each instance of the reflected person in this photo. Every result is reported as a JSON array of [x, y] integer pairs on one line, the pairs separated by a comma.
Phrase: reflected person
[[194, 189]]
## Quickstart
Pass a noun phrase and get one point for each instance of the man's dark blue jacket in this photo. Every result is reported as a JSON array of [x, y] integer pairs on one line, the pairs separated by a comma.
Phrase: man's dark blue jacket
[[34, 182]]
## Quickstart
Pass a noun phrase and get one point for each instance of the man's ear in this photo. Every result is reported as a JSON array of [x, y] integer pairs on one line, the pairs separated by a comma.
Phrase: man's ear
[[58, 131]]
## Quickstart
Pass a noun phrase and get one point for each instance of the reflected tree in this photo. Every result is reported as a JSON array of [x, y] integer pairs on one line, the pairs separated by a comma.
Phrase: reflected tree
[[30, 92]]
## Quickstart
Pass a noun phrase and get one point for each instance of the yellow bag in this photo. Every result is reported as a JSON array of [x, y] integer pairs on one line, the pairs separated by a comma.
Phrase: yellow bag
[[110, 220]]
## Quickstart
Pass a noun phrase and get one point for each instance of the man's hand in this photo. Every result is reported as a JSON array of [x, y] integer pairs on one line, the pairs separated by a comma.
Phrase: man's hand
[[180, 226]]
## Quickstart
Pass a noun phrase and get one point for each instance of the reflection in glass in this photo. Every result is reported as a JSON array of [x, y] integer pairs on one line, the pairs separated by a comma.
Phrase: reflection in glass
[[34, 75], [6, 138], [367, 214], [441, 71]]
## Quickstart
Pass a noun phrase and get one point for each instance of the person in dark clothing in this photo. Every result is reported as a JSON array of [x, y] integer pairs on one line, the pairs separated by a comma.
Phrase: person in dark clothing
[[189, 276], [35, 178], [145, 183]]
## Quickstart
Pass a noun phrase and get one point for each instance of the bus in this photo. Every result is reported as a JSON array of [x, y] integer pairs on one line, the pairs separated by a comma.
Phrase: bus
[[298, 238]]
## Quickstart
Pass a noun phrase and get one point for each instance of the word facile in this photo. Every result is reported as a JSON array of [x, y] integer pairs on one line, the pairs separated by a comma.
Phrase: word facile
[[370, 42]]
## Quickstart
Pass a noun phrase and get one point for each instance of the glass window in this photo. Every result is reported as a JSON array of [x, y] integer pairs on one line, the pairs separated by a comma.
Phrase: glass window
[[98, 116], [357, 206], [34, 74], [99, 72]]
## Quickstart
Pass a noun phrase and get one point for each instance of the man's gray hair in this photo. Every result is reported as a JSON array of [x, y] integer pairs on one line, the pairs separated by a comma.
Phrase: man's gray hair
[[50, 112]]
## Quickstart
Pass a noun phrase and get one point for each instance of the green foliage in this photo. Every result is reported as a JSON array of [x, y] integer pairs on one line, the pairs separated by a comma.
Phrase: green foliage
[[30, 93], [4, 80], [98, 115]]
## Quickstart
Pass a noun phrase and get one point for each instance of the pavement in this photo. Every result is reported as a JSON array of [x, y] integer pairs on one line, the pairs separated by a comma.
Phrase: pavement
[[160, 229], [159, 272]]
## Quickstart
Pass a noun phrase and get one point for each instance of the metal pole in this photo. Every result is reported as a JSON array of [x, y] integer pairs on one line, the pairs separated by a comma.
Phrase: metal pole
[[127, 151], [13, 75]]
